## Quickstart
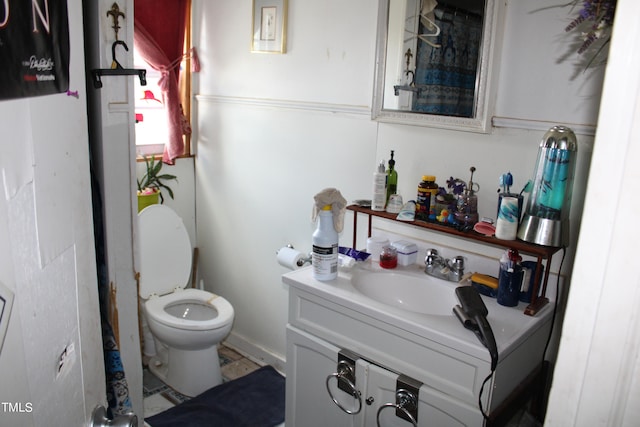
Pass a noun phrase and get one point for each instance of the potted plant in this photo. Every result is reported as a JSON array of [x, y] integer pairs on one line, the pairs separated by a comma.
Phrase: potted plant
[[152, 183]]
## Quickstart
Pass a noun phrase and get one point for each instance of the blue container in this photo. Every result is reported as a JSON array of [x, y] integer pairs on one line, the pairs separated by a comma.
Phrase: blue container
[[509, 283], [529, 277]]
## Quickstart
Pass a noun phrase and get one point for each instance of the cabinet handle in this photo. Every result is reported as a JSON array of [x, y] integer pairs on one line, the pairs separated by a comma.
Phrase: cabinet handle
[[407, 402], [344, 373]]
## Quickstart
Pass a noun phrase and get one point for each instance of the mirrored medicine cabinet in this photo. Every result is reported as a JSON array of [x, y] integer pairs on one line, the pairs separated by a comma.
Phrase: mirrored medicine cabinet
[[436, 62]]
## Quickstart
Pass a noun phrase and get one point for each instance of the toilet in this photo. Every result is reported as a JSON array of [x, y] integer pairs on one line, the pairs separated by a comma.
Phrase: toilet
[[186, 324]]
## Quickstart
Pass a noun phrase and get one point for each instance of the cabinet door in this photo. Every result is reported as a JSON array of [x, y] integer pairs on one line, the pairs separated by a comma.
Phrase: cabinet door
[[310, 361], [434, 409]]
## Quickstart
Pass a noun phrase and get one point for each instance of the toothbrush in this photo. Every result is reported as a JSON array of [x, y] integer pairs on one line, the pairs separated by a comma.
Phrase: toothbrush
[[526, 188], [506, 181]]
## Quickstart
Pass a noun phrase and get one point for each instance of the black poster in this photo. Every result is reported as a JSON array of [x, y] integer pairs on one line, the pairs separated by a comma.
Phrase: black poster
[[34, 48]]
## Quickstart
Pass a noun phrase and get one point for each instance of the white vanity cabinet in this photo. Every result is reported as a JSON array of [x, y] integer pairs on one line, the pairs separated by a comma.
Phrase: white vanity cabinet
[[436, 354], [312, 374]]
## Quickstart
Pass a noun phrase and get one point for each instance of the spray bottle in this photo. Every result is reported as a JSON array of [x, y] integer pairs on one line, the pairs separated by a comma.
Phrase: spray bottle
[[325, 247]]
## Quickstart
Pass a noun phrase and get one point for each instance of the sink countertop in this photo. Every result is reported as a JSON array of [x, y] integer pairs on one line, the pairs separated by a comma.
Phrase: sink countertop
[[509, 324]]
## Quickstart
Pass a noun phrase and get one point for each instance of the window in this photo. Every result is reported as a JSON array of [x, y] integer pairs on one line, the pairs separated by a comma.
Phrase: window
[[162, 36], [152, 132]]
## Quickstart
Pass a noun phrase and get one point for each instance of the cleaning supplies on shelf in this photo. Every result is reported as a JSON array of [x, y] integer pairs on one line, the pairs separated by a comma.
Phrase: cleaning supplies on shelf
[[379, 188], [392, 178]]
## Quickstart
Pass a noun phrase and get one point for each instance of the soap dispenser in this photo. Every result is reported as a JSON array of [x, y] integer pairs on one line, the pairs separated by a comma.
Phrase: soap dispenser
[[392, 178]]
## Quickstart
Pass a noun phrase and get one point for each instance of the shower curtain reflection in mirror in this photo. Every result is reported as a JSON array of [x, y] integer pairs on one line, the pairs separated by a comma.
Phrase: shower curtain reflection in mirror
[[446, 73]]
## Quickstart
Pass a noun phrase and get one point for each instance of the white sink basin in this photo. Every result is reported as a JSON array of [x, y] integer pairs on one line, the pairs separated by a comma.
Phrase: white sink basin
[[421, 294]]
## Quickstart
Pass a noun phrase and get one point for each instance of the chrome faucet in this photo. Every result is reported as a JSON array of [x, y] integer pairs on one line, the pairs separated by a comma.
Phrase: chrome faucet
[[447, 269]]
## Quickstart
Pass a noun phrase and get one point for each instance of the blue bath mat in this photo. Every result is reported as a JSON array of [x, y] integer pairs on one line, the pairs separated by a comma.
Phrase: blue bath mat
[[255, 400]]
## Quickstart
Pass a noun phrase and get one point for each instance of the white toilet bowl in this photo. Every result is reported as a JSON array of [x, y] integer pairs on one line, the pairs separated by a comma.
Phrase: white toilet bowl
[[187, 324]]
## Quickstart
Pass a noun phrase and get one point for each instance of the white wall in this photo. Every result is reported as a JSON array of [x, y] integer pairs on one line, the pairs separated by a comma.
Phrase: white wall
[[273, 130]]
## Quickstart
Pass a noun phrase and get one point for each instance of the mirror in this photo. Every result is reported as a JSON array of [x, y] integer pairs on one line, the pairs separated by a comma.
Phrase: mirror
[[434, 63]]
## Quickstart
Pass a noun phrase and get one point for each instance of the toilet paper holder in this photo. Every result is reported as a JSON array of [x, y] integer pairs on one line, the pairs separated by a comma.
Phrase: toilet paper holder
[[302, 261]]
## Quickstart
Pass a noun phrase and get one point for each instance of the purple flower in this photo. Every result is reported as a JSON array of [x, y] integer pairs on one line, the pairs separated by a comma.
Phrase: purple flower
[[600, 14], [456, 185]]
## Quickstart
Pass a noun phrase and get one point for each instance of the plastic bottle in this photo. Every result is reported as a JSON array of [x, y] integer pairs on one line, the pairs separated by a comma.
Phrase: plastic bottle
[[427, 190], [379, 199], [325, 247], [507, 223], [392, 178]]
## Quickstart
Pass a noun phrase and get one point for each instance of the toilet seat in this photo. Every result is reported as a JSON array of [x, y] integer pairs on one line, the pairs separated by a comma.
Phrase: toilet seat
[[155, 307]]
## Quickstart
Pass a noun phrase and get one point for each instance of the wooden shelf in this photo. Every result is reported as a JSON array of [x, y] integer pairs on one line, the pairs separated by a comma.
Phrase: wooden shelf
[[538, 299]]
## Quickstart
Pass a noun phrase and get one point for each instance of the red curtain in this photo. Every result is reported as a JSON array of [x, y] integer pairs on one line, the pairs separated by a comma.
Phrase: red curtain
[[159, 37]]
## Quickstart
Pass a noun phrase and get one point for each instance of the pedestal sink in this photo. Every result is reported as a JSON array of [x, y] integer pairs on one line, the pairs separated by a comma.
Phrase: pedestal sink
[[411, 291]]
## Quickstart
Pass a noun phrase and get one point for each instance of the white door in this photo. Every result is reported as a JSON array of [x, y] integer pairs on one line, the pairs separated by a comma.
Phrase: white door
[[51, 363], [310, 362]]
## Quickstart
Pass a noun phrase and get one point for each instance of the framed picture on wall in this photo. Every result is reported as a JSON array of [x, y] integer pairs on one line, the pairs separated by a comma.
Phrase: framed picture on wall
[[34, 49], [269, 31]]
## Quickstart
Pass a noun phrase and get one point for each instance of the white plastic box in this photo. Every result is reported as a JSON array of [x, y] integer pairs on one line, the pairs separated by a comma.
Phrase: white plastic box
[[407, 252]]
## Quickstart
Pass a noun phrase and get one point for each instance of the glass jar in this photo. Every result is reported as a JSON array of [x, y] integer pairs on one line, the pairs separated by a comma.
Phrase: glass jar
[[389, 257]]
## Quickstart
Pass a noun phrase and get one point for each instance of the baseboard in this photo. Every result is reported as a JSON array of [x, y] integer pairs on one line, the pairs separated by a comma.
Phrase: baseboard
[[254, 352]]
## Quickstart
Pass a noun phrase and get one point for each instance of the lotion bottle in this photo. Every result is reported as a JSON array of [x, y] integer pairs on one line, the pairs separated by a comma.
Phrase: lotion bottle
[[378, 202]]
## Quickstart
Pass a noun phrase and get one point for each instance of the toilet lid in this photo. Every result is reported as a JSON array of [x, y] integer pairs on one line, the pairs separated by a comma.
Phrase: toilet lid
[[165, 251]]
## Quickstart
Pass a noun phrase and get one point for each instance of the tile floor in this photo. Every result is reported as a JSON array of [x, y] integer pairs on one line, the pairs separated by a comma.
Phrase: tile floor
[[159, 397]]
